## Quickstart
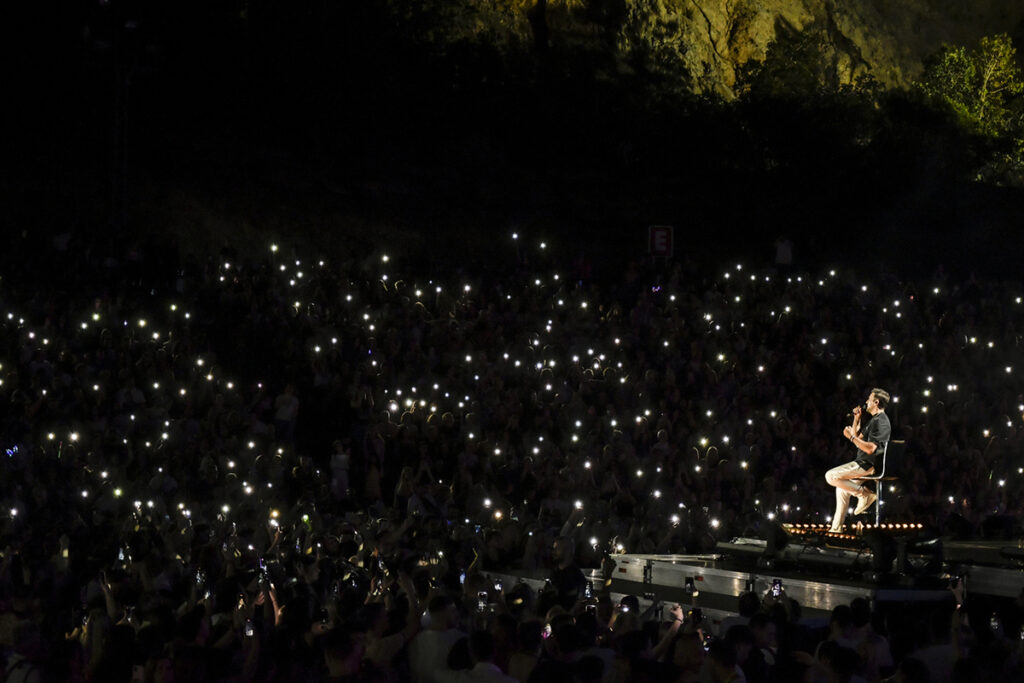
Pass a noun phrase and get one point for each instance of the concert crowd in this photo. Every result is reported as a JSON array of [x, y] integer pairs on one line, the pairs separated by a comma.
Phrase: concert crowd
[[283, 466]]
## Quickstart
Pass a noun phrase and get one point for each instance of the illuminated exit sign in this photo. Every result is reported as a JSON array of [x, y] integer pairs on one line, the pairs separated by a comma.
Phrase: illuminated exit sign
[[659, 240]]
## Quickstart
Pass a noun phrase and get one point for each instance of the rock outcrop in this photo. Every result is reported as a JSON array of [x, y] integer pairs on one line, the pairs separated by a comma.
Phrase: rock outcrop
[[887, 39]]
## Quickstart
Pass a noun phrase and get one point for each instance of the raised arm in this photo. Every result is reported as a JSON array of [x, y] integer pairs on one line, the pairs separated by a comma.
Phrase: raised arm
[[854, 435]]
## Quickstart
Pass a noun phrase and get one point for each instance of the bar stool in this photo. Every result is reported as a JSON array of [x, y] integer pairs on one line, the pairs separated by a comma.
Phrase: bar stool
[[896, 447]]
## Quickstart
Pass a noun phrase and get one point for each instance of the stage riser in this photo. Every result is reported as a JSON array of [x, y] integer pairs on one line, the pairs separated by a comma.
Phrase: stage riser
[[990, 571], [721, 588], [818, 577], [1003, 583]]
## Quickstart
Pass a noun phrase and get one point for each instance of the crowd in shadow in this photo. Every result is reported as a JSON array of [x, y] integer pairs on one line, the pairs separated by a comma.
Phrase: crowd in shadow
[[303, 466]]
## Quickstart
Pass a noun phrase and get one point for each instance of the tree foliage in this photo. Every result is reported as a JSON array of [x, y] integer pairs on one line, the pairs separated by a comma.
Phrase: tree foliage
[[979, 84], [795, 66]]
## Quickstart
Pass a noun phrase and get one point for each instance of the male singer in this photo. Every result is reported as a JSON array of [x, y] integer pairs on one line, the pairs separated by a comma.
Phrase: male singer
[[869, 443]]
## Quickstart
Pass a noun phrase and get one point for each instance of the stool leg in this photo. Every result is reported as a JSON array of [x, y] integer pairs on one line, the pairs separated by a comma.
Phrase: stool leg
[[878, 504]]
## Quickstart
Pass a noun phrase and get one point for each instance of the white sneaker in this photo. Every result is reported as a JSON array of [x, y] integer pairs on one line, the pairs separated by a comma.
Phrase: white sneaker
[[864, 503], [836, 529]]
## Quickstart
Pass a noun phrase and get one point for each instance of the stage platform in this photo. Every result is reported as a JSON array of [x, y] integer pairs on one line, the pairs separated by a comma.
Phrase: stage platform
[[896, 566], [892, 563]]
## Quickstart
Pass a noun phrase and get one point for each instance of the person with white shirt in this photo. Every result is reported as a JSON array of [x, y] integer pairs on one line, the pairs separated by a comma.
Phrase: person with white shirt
[[23, 663], [286, 412], [428, 651], [481, 649]]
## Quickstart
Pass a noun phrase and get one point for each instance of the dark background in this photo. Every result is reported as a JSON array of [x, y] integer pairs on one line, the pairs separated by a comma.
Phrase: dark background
[[329, 122]]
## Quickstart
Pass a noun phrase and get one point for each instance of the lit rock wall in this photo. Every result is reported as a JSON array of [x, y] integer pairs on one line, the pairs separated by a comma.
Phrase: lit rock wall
[[888, 39]]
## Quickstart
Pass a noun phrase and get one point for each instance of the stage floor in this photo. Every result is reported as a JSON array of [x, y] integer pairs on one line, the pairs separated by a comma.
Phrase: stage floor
[[893, 565]]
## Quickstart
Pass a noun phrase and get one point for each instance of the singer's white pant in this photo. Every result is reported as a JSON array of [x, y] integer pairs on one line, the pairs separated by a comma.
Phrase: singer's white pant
[[840, 478]]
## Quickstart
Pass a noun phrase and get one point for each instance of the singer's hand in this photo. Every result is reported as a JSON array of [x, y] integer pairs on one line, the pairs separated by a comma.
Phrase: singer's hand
[[856, 411], [848, 432]]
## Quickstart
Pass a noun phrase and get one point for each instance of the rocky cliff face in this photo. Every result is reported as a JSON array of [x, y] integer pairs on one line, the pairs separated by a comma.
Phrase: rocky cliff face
[[888, 39]]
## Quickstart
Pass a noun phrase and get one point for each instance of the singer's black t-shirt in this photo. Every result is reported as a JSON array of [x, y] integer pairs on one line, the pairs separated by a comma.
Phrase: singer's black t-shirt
[[878, 431]]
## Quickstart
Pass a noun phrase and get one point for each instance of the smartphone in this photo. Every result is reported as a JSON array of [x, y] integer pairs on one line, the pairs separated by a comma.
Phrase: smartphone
[[546, 633], [497, 585], [324, 617], [250, 630], [481, 601], [120, 554], [462, 578], [776, 588], [588, 592]]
